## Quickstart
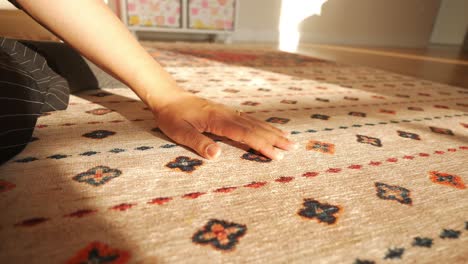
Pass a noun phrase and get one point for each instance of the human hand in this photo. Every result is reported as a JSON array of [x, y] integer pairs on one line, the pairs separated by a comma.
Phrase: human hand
[[185, 117]]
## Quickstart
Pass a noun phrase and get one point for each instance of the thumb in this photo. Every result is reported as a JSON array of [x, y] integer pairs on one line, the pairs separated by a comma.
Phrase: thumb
[[185, 134]]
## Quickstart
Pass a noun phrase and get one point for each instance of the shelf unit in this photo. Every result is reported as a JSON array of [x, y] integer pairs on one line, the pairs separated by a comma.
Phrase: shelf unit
[[219, 34]]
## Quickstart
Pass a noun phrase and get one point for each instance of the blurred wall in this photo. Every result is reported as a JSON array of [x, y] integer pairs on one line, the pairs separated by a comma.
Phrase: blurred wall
[[452, 23], [406, 23]]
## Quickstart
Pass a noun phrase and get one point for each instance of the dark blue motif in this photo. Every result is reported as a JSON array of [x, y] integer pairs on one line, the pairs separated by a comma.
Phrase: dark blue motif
[[99, 134], [184, 164], [98, 175], [322, 212], [393, 192], [220, 234], [253, 155]]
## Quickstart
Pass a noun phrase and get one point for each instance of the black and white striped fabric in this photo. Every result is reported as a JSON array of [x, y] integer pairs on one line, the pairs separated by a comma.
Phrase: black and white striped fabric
[[28, 88]]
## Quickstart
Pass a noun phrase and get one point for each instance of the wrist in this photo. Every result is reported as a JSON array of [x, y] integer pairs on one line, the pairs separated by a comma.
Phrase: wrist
[[157, 101], [156, 88]]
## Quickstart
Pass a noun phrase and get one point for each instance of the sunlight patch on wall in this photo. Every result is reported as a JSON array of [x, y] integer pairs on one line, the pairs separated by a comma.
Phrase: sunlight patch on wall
[[293, 12]]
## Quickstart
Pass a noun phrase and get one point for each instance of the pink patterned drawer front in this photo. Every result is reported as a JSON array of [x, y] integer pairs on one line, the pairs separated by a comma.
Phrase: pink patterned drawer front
[[154, 13], [211, 14]]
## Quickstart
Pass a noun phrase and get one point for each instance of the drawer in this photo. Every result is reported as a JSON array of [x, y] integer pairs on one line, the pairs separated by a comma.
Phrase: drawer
[[154, 13], [211, 14]]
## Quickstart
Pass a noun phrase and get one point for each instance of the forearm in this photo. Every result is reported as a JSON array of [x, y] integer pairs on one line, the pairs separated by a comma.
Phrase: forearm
[[90, 27]]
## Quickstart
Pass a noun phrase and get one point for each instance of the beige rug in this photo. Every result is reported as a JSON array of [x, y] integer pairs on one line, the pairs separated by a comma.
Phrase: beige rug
[[379, 178]]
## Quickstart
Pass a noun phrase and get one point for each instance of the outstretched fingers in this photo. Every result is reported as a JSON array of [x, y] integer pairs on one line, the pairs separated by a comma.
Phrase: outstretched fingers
[[264, 124], [185, 134], [255, 136], [270, 133]]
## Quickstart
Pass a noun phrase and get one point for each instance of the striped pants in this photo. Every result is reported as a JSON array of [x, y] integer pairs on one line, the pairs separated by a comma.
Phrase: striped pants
[[35, 77]]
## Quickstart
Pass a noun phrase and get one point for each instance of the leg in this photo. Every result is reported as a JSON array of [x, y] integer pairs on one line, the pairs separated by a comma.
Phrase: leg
[[28, 87], [79, 73], [66, 62]]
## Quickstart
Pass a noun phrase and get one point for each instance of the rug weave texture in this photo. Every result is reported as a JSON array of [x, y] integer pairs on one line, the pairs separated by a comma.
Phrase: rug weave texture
[[380, 175]]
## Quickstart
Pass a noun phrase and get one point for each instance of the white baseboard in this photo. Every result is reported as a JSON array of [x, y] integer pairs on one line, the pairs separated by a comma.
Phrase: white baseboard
[[244, 35]]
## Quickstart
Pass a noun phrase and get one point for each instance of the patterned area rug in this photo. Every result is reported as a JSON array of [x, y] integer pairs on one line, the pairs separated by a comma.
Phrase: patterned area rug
[[380, 175]]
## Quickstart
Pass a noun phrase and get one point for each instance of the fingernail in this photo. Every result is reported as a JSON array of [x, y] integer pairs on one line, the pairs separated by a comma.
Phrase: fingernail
[[292, 146], [279, 156], [213, 151]]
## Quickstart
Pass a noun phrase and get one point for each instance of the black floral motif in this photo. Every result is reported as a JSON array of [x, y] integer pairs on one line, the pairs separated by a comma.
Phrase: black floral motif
[[394, 253], [323, 147], [319, 116], [26, 160], [143, 148], [89, 153], [94, 256], [369, 140], [408, 135], [253, 155], [422, 242], [58, 156], [98, 175], [168, 146], [100, 253], [277, 120], [363, 261], [117, 150], [393, 192], [322, 212], [220, 234], [450, 234], [184, 164], [451, 180], [443, 131], [99, 134]]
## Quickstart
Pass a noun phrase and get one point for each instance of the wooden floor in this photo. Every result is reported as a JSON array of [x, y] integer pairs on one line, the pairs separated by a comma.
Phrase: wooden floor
[[445, 64]]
